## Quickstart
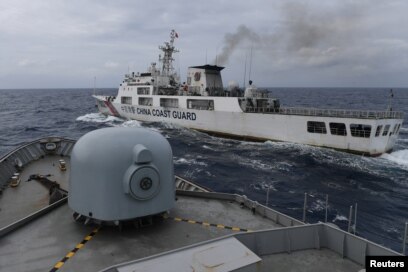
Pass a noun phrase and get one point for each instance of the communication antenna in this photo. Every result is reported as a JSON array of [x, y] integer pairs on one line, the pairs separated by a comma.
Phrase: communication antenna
[[94, 85], [250, 64], [246, 59], [391, 98]]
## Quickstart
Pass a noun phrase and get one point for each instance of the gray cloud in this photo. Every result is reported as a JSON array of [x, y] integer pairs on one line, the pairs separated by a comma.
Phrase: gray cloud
[[233, 40], [356, 41], [308, 34], [339, 43]]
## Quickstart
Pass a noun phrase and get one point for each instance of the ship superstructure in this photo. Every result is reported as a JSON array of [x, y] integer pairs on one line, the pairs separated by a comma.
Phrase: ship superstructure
[[202, 103]]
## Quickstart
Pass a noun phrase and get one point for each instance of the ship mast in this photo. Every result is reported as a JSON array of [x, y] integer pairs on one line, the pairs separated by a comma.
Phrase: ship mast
[[168, 50]]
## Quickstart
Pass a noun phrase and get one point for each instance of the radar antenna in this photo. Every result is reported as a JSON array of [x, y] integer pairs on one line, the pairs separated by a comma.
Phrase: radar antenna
[[168, 50], [391, 97]]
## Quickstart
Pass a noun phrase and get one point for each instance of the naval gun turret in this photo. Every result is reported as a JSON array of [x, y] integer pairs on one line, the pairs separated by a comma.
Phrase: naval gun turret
[[121, 174]]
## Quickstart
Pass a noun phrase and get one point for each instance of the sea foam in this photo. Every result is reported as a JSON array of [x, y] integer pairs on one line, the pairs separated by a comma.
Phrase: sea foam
[[108, 120], [400, 157], [98, 118]]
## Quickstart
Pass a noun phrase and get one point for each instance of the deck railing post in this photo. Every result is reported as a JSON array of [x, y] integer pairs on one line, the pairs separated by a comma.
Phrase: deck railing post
[[350, 218], [404, 239], [355, 220], [304, 208], [267, 197], [327, 207]]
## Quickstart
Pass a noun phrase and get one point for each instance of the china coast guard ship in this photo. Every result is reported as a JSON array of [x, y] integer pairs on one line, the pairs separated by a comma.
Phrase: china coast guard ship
[[203, 104]]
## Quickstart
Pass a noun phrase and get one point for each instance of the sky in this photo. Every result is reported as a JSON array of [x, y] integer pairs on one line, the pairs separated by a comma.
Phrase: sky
[[334, 43]]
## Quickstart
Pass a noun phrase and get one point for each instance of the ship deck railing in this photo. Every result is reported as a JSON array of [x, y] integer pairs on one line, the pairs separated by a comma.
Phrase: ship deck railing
[[361, 114]]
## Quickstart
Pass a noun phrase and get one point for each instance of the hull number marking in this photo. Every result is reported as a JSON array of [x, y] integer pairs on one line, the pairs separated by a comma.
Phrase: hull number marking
[[174, 114]]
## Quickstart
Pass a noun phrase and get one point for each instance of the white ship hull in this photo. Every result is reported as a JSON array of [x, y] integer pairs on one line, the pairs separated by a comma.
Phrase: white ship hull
[[263, 126], [202, 103]]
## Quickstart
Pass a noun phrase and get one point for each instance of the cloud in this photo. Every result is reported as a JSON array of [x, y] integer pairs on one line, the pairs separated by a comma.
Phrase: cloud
[[338, 39], [25, 62], [111, 64], [78, 40]]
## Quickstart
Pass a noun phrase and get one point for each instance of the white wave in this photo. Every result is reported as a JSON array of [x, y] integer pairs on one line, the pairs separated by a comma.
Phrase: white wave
[[168, 125], [189, 162], [404, 129], [258, 164], [181, 161], [392, 230], [340, 218], [208, 173], [108, 120], [318, 205], [131, 123], [288, 145], [400, 157], [209, 148], [263, 186], [255, 164], [98, 118]]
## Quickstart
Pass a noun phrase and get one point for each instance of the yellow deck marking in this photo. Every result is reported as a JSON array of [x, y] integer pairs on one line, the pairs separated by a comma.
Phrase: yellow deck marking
[[70, 254], [59, 264], [78, 246], [206, 224]]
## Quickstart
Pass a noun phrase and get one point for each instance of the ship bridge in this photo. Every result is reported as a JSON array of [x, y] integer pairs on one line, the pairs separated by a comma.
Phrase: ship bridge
[[205, 80]]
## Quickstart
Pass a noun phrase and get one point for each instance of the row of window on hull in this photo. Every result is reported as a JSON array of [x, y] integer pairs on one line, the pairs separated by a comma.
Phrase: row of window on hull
[[357, 130], [196, 104]]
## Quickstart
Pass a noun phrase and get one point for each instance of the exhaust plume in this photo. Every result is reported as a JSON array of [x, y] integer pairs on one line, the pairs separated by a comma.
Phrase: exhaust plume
[[305, 34], [232, 40]]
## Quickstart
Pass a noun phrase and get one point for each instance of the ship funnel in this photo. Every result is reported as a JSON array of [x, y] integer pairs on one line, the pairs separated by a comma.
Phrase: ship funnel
[[121, 174]]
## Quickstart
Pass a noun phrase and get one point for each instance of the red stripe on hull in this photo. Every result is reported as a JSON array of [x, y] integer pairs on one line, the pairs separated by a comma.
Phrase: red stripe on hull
[[111, 108]]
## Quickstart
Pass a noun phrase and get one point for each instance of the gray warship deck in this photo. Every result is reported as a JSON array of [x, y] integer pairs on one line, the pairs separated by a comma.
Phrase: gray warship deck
[[220, 225]]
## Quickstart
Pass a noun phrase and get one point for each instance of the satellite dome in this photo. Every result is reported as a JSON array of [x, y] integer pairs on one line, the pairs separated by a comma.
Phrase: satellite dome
[[120, 174]]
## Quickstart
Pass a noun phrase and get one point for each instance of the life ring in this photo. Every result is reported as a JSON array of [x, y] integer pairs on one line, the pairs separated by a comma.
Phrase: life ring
[[197, 76]]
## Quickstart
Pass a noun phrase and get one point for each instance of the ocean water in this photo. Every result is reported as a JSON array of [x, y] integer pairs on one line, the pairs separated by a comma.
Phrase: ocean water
[[378, 185]]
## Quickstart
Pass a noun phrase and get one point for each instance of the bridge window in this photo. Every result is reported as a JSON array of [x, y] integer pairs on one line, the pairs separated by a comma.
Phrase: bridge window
[[338, 129], [143, 90], [359, 130], [398, 129], [145, 101], [386, 129], [394, 131], [126, 100], [169, 102], [316, 127], [378, 131], [200, 104]]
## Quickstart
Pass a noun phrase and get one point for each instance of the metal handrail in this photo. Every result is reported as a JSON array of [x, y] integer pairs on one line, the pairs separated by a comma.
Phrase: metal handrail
[[330, 112]]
